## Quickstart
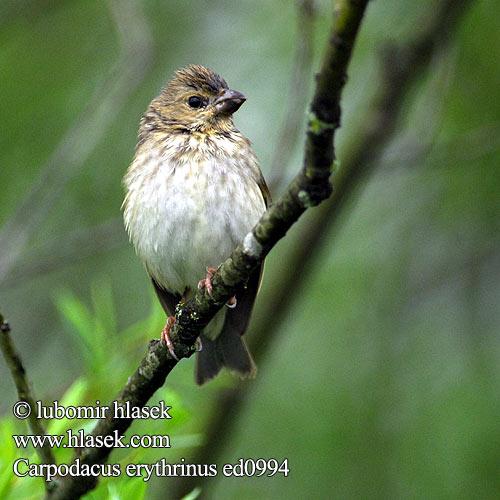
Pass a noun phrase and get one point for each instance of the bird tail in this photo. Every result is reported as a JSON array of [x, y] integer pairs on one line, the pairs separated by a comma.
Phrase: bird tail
[[229, 350]]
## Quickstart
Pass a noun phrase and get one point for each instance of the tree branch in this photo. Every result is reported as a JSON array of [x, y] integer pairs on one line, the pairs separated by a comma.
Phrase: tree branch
[[370, 140], [310, 187], [25, 393]]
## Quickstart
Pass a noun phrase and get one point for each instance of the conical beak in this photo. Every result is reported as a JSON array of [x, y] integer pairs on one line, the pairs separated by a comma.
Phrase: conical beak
[[229, 102]]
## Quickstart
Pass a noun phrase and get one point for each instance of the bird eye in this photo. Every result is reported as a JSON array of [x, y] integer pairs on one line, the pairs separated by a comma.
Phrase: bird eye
[[195, 102]]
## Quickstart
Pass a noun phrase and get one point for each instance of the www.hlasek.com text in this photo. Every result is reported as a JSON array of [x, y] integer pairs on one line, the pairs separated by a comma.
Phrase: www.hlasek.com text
[[78, 439]]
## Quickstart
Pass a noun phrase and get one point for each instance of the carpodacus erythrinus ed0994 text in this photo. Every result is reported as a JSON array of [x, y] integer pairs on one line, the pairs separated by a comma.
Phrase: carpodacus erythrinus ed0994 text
[[194, 190]]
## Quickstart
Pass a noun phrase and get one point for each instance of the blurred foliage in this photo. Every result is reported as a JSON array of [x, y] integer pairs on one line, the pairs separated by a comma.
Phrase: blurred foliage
[[383, 382], [95, 335]]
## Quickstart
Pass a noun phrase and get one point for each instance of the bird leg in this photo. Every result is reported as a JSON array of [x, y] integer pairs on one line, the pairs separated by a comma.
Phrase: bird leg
[[165, 337]]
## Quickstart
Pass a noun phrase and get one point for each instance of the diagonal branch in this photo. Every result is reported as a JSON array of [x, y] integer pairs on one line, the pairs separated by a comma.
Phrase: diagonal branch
[[309, 188], [370, 141]]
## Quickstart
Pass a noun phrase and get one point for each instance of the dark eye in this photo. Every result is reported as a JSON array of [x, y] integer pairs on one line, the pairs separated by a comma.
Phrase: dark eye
[[195, 102]]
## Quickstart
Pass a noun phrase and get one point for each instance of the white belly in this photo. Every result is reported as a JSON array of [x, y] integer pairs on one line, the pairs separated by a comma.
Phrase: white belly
[[185, 218]]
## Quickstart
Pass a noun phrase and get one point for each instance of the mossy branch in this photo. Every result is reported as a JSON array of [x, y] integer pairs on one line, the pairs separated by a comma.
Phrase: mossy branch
[[310, 187]]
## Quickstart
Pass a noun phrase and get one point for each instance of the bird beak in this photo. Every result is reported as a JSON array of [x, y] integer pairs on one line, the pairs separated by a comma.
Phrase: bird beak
[[229, 102]]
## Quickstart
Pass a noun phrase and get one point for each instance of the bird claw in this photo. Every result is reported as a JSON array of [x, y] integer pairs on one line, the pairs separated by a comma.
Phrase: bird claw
[[231, 303], [207, 282], [199, 345], [165, 337]]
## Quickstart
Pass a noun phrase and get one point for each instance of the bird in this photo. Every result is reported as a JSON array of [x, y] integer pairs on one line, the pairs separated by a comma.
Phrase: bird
[[194, 190]]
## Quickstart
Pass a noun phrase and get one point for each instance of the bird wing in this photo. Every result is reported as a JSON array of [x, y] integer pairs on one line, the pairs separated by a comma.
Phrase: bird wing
[[264, 189], [237, 319]]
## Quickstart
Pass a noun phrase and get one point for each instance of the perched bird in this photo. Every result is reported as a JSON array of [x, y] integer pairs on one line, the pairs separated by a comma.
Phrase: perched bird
[[193, 191]]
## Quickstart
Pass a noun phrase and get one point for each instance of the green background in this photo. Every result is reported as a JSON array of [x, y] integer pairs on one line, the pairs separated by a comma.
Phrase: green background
[[383, 379]]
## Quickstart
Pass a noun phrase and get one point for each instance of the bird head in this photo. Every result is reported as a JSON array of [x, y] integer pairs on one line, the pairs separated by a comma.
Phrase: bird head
[[195, 100]]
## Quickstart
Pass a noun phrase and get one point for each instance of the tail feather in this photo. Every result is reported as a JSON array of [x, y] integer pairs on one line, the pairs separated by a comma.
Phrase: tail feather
[[234, 354], [229, 350], [228, 347], [207, 365]]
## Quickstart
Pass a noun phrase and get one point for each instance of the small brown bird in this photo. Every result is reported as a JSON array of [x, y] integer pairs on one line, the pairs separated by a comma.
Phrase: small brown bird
[[193, 192]]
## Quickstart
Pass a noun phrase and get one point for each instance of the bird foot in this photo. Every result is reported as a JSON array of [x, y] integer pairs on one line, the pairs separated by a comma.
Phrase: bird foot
[[207, 282], [165, 337], [231, 303], [199, 345]]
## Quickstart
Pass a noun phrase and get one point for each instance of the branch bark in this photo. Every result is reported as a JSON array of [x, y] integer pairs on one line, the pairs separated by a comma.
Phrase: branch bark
[[310, 187], [25, 393]]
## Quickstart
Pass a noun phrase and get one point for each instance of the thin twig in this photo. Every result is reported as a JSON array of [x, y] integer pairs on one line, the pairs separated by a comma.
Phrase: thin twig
[[296, 103], [310, 187], [25, 393]]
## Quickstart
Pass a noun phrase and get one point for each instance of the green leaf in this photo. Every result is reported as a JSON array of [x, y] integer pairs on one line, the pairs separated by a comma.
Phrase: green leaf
[[193, 495], [104, 310], [72, 397], [79, 316]]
